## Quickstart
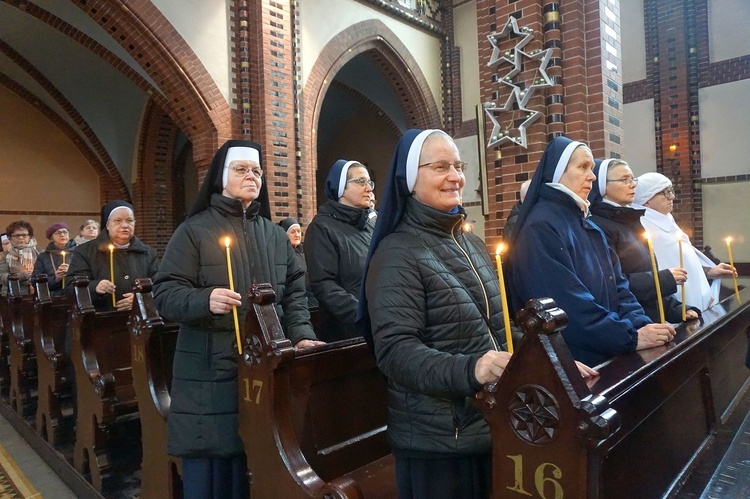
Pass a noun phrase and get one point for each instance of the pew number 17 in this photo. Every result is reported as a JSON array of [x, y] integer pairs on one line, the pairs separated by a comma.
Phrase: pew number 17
[[255, 388], [540, 480]]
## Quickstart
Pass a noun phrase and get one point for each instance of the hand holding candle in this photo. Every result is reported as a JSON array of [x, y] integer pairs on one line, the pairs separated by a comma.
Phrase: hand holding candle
[[503, 297], [112, 271], [63, 262], [731, 263], [227, 241], [655, 270]]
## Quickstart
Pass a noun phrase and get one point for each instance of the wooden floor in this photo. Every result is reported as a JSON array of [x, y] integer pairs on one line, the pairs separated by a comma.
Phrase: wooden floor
[[41, 476]]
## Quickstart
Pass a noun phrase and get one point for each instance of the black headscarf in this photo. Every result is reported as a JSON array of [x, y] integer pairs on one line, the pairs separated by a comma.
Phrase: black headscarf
[[108, 208], [288, 222], [212, 184]]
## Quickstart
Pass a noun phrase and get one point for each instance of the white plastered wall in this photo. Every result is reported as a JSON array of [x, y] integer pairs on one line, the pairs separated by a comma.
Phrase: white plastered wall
[[468, 150], [724, 125], [633, 41], [465, 28], [727, 28], [639, 136]]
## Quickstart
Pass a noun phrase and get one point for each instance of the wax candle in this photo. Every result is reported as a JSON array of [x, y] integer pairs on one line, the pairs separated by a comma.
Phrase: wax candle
[[227, 240], [112, 271], [731, 262], [655, 270], [503, 296], [63, 257], [684, 306]]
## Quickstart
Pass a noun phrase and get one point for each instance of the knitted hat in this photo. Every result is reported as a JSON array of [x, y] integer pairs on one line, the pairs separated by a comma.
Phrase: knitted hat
[[54, 228], [649, 185], [287, 223]]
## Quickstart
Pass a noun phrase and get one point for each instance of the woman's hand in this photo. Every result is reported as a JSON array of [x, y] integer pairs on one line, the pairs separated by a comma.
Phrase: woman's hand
[[222, 300], [721, 270], [491, 366], [680, 275], [126, 303], [105, 287], [654, 335], [586, 371], [690, 315], [61, 271], [308, 344]]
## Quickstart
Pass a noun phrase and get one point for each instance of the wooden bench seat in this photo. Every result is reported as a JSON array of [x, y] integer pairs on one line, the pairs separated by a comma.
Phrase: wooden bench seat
[[313, 420], [637, 430], [153, 344]]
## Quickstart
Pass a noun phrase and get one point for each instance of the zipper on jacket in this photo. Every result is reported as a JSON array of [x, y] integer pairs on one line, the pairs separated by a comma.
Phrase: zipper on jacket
[[481, 285]]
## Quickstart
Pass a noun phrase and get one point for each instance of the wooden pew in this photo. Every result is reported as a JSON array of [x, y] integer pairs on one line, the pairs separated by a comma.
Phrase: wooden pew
[[639, 429], [104, 385], [53, 364], [4, 347], [22, 392], [313, 421], [153, 344]]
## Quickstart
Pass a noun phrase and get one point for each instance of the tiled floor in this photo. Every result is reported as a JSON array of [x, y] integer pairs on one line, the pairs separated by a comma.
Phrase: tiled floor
[[37, 472]]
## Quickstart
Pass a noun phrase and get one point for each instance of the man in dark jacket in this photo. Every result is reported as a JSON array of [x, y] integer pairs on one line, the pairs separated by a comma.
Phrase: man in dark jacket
[[336, 245], [192, 289], [130, 257]]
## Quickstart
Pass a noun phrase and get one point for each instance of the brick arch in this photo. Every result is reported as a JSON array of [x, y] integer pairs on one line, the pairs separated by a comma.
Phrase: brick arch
[[386, 52]]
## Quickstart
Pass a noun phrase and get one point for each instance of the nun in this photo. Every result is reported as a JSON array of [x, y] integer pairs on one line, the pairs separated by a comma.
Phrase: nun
[[430, 307], [336, 245], [558, 252], [611, 197], [131, 259], [192, 288], [294, 232], [655, 194]]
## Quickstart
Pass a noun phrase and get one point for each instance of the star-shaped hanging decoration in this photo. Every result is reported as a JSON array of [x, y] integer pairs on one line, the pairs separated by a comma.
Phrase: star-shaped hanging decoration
[[543, 80], [500, 135], [510, 26]]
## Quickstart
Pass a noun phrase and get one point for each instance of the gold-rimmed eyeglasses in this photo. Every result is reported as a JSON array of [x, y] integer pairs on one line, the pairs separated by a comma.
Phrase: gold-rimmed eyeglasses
[[362, 181], [443, 167], [243, 171]]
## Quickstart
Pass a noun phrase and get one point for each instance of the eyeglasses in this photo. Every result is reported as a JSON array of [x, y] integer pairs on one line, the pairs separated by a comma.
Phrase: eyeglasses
[[625, 180], [443, 167], [20, 236], [61, 232], [242, 171], [120, 221], [668, 192], [362, 181]]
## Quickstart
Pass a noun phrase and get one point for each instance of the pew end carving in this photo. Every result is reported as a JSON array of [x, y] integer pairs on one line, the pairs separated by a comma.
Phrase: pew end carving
[[153, 344], [313, 420], [22, 356]]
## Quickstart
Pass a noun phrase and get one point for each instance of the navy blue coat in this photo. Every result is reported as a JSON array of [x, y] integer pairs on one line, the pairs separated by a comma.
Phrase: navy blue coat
[[560, 254]]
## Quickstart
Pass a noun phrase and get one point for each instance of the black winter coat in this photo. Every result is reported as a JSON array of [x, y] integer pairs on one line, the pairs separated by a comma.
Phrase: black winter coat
[[429, 285], [47, 263], [336, 245], [203, 415], [622, 227], [92, 260]]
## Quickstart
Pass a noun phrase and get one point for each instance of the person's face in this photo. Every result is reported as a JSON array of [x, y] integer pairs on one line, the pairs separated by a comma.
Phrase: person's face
[[6, 245], [358, 189], [579, 174], [61, 237], [19, 237], [295, 235], [436, 186], [620, 185], [662, 202], [121, 226], [244, 181], [89, 232]]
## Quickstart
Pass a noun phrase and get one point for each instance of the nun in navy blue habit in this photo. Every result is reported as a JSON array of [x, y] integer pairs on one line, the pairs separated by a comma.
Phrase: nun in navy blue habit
[[336, 245], [430, 306], [559, 253]]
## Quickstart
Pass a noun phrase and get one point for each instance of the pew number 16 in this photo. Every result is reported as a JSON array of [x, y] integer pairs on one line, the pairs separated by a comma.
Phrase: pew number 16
[[540, 480], [250, 389]]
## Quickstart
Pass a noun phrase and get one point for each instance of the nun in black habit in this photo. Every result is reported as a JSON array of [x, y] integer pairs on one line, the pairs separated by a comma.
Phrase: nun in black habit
[[192, 288]]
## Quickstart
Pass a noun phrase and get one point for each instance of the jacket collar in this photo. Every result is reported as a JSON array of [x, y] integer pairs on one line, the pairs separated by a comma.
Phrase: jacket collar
[[233, 207], [348, 214], [431, 220], [617, 213]]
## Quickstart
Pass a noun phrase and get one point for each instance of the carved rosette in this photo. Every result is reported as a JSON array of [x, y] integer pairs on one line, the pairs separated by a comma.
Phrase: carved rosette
[[534, 414], [253, 350]]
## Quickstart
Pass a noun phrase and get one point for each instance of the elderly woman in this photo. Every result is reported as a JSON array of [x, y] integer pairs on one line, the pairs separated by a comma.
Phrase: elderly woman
[[192, 288], [432, 307], [655, 193], [50, 261], [20, 256], [336, 245], [559, 253], [611, 196], [131, 259], [87, 232]]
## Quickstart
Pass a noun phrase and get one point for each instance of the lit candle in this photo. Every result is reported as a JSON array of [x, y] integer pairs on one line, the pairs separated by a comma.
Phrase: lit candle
[[684, 306], [503, 296], [63, 279], [731, 262], [656, 278], [231, 288], [112, 271]]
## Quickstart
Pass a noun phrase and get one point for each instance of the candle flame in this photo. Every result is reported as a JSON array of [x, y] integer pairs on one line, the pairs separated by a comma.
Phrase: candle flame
[[62, 253], [728, 240], [111, 247], [227, 241], [500, 249], [467, 227], [646, 234]]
